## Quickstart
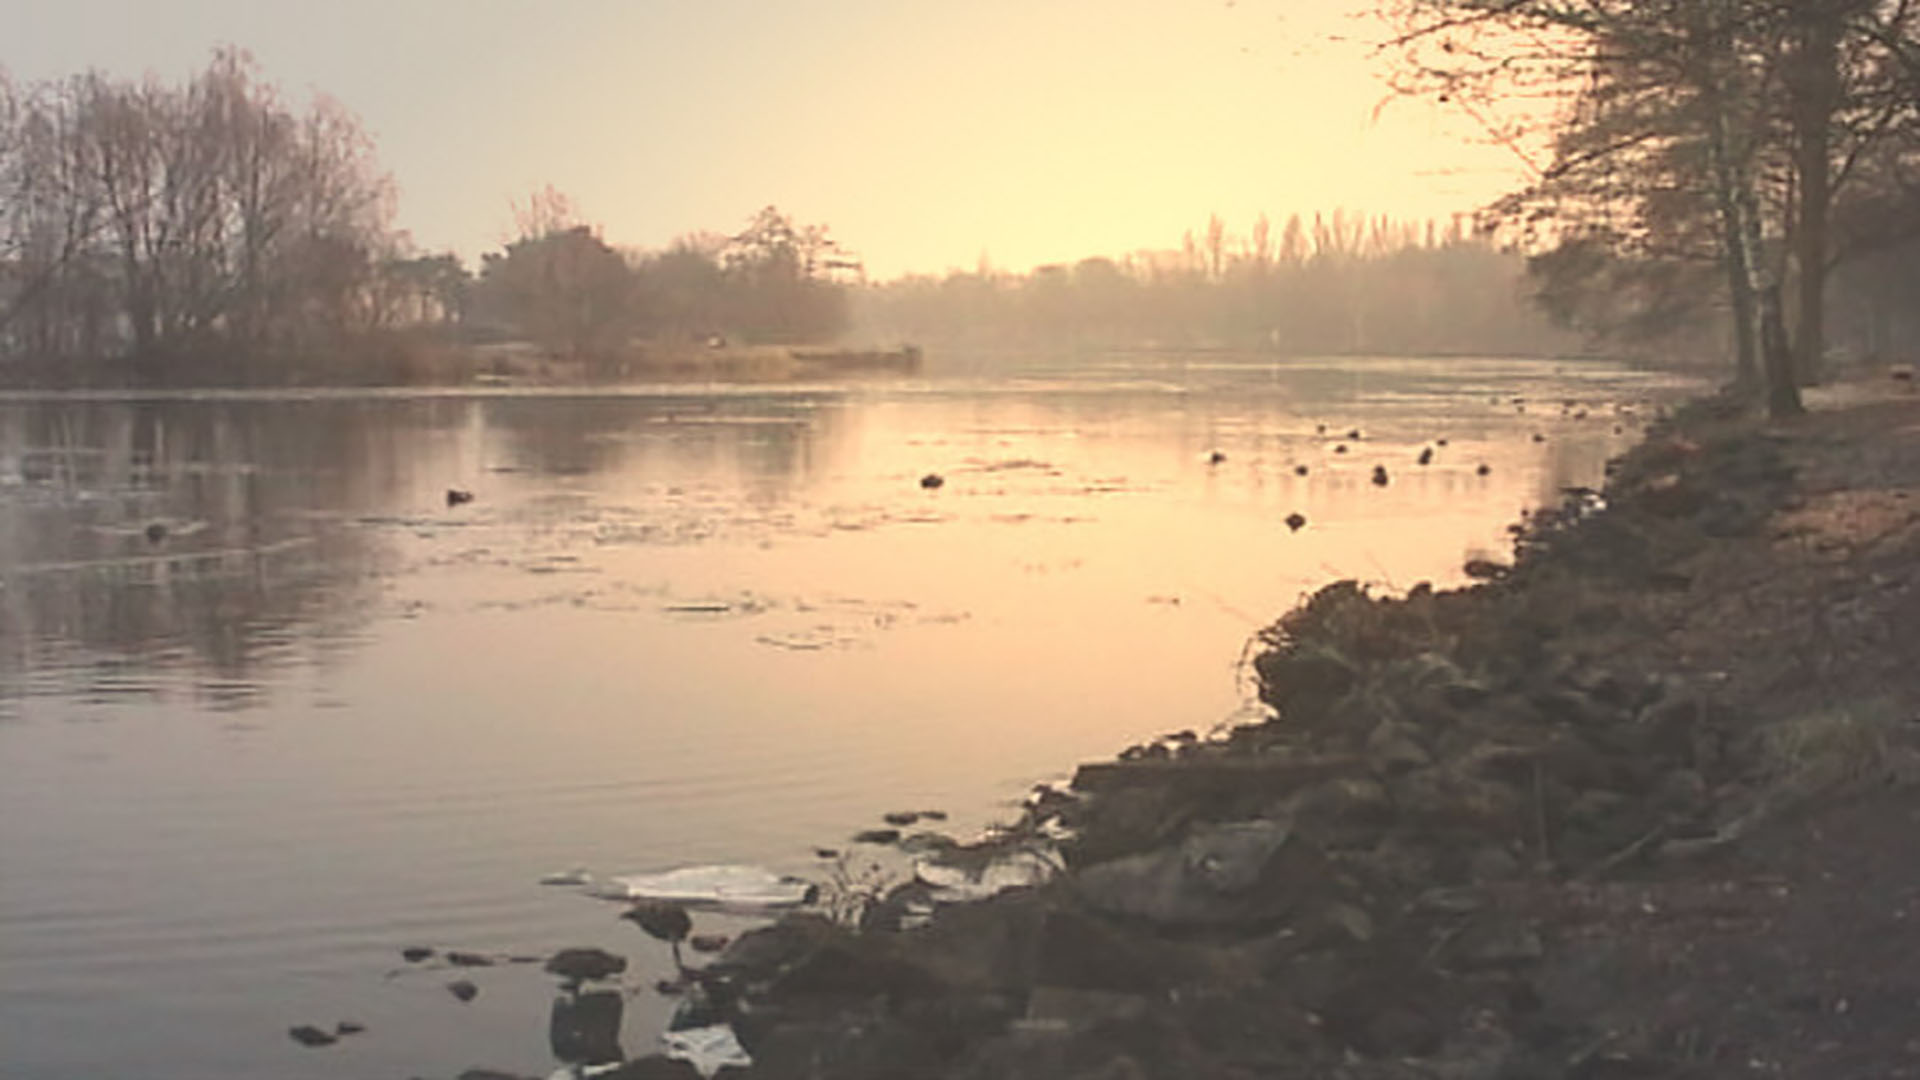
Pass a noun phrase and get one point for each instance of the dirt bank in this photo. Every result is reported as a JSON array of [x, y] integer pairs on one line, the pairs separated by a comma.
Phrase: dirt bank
[[1640, 805]]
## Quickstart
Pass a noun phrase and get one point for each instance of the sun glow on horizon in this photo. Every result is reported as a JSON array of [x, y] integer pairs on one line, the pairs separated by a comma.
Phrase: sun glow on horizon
[[925, 137]]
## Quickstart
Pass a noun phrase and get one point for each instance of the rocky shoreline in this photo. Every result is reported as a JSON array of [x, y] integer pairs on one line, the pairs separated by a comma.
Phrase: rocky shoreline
[[1638, 805]]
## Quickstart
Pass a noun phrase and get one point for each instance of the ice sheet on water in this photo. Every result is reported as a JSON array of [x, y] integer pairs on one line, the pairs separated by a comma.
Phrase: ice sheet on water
[[723, 886], [707, 1049]]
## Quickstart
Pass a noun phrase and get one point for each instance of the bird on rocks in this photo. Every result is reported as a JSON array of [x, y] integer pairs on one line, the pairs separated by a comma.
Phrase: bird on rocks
[[1296, 521], [664, 922]]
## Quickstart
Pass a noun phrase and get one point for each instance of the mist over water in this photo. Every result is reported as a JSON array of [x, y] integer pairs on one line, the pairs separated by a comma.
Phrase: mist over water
[[271, 709]]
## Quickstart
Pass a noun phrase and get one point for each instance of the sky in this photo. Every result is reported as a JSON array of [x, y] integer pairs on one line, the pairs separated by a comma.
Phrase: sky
[[926, 136]]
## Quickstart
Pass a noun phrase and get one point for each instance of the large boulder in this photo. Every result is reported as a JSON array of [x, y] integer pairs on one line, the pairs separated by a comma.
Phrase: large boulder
[[1247, 873]]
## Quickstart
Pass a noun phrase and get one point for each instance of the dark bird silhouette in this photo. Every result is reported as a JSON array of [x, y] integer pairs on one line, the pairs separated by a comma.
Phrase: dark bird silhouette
[[1483, 469], [1319, 429], [1426, 456], [1380, 476], [1537, 437], [1299, 470], [664, 922], [932, 481], [1216, 458], [1340, 449], [455, 496], [1296, 521], [1439, 442], [156, 532], [1354, 434]]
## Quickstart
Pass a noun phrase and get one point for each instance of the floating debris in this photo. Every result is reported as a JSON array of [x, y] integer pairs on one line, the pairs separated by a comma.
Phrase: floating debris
[[308, 1035]]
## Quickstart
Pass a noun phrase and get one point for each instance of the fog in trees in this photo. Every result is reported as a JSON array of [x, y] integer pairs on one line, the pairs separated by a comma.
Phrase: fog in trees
[[1709, 164]]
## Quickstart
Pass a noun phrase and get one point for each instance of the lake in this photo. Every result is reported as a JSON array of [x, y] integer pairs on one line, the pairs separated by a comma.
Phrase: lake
[[271, 709]]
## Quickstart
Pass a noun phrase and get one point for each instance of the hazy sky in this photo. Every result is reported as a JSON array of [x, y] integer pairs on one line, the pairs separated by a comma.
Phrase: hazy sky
[[924, 134]]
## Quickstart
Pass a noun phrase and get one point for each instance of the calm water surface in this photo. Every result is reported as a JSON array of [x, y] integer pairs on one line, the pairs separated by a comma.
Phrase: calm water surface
[[319, 714]]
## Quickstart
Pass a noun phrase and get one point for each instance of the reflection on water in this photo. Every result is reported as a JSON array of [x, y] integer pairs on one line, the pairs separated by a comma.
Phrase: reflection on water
[[270, 708]]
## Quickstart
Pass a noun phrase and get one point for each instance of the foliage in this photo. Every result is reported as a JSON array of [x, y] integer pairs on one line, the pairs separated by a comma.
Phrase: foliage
[[1331, 283], [149, 219]]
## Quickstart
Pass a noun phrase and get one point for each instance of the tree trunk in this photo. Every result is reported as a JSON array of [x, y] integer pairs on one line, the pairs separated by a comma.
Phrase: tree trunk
[[1783, 391], [1815, 88]]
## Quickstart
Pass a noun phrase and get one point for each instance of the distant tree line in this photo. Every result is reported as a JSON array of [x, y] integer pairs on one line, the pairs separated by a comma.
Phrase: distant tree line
[[1758, 159], [1332, 283], [172, 225], [561, 285], [148, 220]]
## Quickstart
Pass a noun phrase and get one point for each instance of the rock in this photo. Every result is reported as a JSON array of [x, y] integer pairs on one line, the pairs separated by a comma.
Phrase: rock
[[1681, 795], [1493, 864], [413, 954], [469, 959], [584, 1029], [1084, 952], [489, 1074], [584, 964], [308, 1035], [464, 989], [1341, 812], [1247, 872], [655, 1067], [1303, 683], [1391, 748], [1485, 570], [901, 818], [708, 943], [876, 836], [1492, 942]]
